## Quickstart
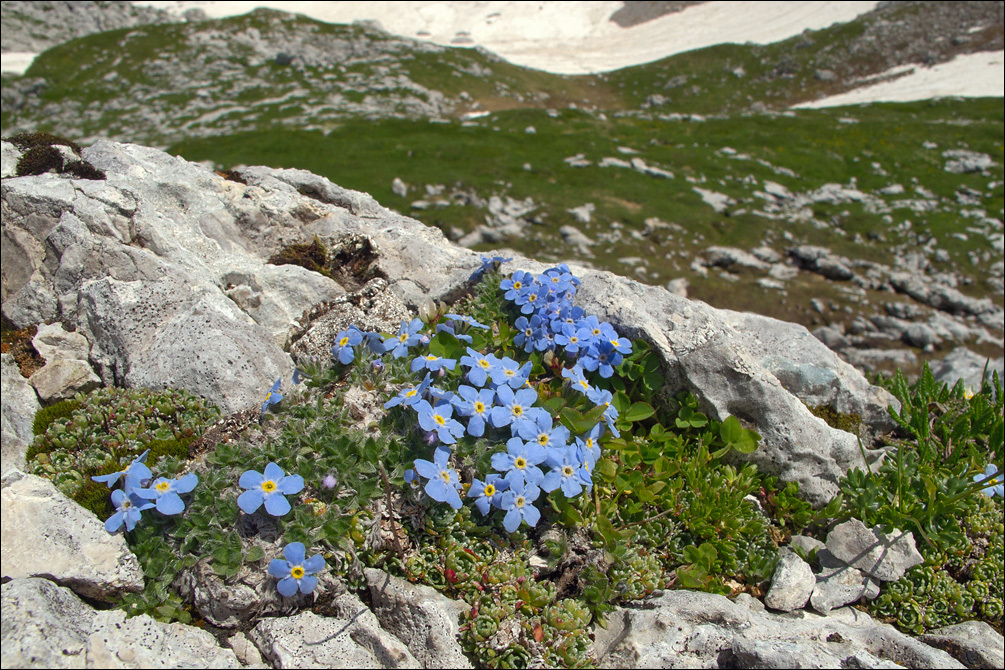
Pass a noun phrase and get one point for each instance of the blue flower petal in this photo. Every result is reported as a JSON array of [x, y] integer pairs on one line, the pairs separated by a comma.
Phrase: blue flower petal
[[273, 472], [314, 564], [291, 484], [295, 553], [114, 522], [250, 500], [186, 483], [279, 568], [308, 583], [170, 504], [251, 480], [288, 587], [277, 505]]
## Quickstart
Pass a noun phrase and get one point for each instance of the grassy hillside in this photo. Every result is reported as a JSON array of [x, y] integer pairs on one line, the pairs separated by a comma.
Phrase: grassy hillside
[[868, 148]]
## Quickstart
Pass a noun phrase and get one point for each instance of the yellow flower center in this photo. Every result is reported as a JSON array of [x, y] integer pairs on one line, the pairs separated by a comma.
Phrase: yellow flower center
[[596, 331], [410, 392], [439, 420], [520, 463], [479, 406], [542, 439], [268, 486], [589, 443], [430, 357], [297, 572], [517, 410], [445, 476], [584, 385], [490, 490], [484, 363], [614, 342], [509, 373], [517, 285], [520, 501], [403, 337], [163, 487], [344, 341]]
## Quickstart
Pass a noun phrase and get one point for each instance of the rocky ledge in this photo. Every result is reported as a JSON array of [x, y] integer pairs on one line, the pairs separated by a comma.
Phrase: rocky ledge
[[159, 275]]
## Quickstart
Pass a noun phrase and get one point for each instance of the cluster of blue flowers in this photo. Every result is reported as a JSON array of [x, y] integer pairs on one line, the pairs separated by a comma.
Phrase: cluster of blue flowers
[[140, 491], [497, 399]]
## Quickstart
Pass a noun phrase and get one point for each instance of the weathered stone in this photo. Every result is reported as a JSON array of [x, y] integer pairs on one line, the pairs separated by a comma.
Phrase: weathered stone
[[885, 556], [43, 625], [45, 534], [806, 544], [424, 619], [48, 626], [141, 642], [353, 639], [692, 629], [19, 403], [839, 586], [973, 643], [52, 342], [791, 584], [964, 364], [728, 257], [246, 652], [152, 334], [63, 378]]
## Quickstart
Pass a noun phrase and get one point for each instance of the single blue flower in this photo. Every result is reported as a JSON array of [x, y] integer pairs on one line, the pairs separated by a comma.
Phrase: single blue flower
[[565, 472], [438, 419], [299, 376], [344, 343], [442, 484], [137, 469], [520, 461], [528, 331], [272, 487], [508, 372], [128, 507], [517, 501], [166, 492], [476, 405], [545, 432], [432, 363], [567, 337], [296, 572], [412, 478], [513, 407], [407, 337], [488, 492], [516, 285], [409, 395], [996, 486], [271, 398], [531, 300], [480, 365]]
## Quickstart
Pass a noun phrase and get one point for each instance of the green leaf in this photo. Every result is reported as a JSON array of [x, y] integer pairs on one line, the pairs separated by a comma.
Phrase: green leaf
[[254, 554], [637, 412], [731, 431]]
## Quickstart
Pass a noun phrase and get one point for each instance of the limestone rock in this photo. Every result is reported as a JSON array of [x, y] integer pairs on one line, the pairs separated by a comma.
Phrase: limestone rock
[[44, 625], [19, 405], [142, 642], [791, 584], [837, 586], [881, 555], [63, 378], [692, 629], [48, 626], [151, 334], [713, 353], [424, 619], [973, 643], [964, 364], [45, 534], [51, 342], [353, 639]]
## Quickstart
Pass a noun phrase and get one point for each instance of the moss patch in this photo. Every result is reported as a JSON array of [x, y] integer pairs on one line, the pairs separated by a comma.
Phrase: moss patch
[[850, 423], [351, 261], [42, 156], [25, 141]]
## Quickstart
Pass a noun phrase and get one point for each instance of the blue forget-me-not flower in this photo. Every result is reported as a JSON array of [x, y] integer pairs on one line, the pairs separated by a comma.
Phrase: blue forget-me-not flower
[[296, 572], [270, 488]]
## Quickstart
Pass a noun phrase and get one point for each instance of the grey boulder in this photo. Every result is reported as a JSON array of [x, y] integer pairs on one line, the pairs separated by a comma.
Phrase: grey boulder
[[884, 556], [45, 534], [19, 403], [791, 584]]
